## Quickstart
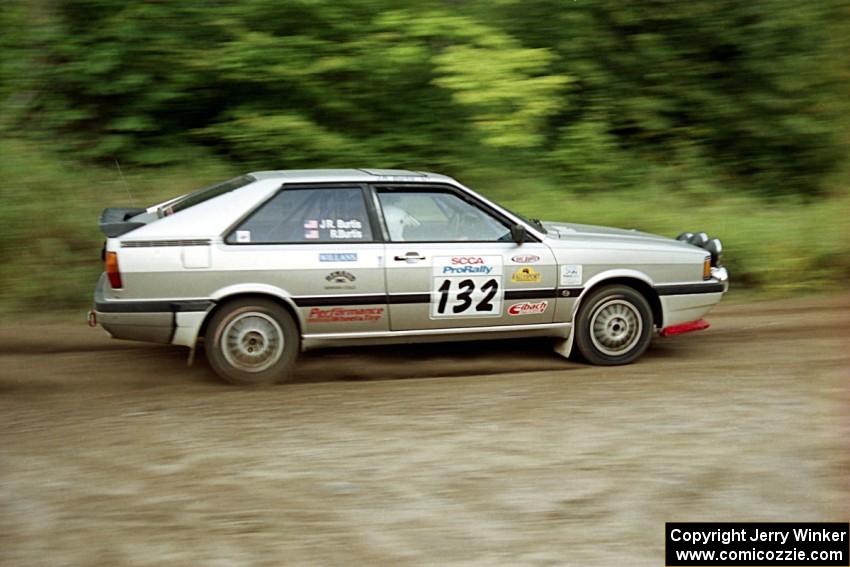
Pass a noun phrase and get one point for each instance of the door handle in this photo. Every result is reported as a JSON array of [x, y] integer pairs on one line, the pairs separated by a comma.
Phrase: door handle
[[410, 256]]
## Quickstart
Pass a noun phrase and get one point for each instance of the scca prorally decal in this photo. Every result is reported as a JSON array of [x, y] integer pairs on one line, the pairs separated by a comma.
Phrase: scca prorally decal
[[339, 257], [459, 265], [468, 260], [344, 314], [528, 308], [456, 270], [526, 259], [466, 286]]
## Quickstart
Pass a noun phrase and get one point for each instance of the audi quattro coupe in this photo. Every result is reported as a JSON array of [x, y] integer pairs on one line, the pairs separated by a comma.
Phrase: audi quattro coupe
[[263, 266]]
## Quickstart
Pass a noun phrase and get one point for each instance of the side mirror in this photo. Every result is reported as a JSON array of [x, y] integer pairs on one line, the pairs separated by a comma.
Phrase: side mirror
[[518, 233]]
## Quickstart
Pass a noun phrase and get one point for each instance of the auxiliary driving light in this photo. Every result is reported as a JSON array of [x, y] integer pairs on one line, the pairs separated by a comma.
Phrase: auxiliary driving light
[[698, 239], [715, 248]]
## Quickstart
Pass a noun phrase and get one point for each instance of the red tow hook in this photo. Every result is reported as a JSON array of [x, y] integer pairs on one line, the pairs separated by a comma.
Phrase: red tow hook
[[92, 319], [698, 325]]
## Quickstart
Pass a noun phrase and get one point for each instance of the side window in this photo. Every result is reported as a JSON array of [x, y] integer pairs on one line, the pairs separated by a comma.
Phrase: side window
[[307, 215], [437, 216]]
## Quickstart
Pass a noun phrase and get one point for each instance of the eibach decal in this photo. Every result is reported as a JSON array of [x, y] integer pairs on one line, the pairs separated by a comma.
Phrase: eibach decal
[[528, 308]]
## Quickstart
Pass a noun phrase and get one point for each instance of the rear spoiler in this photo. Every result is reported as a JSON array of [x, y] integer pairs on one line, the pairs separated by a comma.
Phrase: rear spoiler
[[115, 221]]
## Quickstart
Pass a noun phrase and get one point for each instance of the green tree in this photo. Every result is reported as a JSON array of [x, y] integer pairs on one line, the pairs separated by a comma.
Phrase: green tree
[[744, 86], [604, 94]]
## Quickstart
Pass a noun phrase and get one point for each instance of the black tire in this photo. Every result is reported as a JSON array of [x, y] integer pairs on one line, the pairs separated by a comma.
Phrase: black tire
[[613, 326], [252, 342]]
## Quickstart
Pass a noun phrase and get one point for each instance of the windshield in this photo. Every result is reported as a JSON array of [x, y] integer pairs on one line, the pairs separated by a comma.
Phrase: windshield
[[205, 194]]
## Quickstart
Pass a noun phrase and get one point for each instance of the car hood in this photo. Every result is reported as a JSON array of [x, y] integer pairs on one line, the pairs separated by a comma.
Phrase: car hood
[[570, 231]]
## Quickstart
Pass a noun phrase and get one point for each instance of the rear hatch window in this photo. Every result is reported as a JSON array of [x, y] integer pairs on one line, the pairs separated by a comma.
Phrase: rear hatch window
[[206, 194], [116, 221]]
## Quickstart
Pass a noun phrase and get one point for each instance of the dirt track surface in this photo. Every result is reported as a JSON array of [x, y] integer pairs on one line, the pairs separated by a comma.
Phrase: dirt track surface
[[485, 454]]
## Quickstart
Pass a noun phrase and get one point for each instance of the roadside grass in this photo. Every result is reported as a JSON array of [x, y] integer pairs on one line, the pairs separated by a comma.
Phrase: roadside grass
[[772, 249], [49, 241], [50, 244]]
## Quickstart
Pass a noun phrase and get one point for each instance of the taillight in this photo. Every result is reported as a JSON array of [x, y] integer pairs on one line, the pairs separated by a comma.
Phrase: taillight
[[112, 271]]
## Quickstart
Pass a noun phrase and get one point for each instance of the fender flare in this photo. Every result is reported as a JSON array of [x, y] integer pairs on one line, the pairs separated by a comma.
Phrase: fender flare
[[601, 277], [564, 347], [280, 294]]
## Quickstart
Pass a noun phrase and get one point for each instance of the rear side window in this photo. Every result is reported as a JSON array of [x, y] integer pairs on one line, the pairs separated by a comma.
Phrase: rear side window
[[307, 215]]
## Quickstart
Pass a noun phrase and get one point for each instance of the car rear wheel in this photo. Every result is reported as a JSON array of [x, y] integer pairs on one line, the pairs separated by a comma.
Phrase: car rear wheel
[[613, 326], [252, 342]]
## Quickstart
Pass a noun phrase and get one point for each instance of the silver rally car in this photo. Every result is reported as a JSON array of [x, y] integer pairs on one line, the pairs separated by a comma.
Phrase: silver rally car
[[268, 264]]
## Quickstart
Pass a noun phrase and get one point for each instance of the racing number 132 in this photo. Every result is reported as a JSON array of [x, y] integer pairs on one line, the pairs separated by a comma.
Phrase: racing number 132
[[466, 287]]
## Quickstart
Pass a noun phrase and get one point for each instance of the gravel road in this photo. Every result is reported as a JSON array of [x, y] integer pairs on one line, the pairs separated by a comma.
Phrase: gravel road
[[486, 454]]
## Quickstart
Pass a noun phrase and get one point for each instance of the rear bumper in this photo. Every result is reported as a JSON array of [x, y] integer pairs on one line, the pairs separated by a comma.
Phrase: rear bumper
[[148, 327], [172, 321]]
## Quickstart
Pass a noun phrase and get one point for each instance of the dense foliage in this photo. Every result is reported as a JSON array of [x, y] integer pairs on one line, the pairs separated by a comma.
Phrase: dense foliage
[[718, 115], [602, 94]]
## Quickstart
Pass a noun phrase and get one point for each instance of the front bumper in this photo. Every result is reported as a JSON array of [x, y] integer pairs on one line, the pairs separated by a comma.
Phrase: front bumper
[[690, 302], [720, 274]]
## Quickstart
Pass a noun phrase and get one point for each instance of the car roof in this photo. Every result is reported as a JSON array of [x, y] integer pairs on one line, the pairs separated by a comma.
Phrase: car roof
[[350, 175]]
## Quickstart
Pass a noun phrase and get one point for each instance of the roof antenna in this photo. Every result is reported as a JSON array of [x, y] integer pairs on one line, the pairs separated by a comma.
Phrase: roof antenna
[[124, 181]]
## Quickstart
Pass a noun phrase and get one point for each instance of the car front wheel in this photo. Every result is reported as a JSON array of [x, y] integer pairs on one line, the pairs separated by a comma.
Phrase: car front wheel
[[252, 342], [613, 326]]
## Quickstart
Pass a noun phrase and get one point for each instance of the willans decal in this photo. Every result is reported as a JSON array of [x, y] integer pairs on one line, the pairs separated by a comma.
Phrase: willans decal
[[351, 257]]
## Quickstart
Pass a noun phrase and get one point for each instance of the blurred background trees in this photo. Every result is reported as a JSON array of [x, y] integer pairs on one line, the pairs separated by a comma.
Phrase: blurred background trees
[[600, 93], [582, 97]]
